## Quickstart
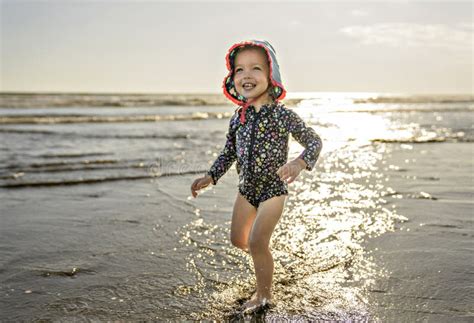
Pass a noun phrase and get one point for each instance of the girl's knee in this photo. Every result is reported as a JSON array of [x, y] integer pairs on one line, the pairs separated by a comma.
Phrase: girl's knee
[[258, 245], [237, 242]]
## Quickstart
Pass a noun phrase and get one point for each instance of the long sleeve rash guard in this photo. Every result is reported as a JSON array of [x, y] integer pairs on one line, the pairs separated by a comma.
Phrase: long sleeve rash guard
[[260, 146]]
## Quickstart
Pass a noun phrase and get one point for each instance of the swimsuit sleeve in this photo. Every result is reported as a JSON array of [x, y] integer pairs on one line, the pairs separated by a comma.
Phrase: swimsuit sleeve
[[307, 137], [228, 154]]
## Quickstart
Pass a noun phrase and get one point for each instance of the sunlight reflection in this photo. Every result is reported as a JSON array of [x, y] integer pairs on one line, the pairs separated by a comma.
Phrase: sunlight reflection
[[321, 267]]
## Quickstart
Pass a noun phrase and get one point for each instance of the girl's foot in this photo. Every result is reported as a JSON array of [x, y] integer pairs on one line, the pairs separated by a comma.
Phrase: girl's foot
[[256, 302]]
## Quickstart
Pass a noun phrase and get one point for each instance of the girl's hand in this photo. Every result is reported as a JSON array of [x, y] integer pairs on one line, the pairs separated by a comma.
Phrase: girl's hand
[[200, 183], [291, 170]]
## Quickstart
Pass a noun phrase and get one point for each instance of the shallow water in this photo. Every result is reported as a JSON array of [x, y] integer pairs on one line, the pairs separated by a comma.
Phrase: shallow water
[[97, 222]]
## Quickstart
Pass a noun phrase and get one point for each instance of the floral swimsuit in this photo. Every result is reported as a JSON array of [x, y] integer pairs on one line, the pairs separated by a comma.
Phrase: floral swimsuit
[[260, 147]]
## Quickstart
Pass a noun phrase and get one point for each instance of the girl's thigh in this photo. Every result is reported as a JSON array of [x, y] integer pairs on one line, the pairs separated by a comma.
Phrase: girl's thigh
[[268, 215], [243, 217]]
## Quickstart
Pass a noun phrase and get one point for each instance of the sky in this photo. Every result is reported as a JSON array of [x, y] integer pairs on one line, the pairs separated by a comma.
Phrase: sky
[[414, 47]]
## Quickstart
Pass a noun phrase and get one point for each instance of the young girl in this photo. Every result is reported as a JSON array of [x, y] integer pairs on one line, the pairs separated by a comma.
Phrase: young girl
[[258, 139]]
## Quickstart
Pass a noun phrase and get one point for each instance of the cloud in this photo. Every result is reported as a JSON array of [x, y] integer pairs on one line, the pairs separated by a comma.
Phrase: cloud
[[294, 23], [466, 25], [359, 13], [457, 37]]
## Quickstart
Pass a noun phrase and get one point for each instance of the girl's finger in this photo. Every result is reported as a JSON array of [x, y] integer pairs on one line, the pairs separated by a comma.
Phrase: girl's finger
[[282, 169], [195, 184], [194, 188]]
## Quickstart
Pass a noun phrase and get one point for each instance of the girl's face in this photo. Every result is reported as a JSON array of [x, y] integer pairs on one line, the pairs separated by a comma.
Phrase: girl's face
[[251, 75]]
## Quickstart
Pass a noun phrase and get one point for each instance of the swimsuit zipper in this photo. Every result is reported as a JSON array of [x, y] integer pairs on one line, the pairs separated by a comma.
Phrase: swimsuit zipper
[[252, 140]]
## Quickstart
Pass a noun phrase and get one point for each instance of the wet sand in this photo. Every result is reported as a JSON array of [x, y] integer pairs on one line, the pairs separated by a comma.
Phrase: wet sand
[[380, 231]]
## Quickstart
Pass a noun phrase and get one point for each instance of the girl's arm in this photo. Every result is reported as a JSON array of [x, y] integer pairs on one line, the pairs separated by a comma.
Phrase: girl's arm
[[228, 154], [305, 136]]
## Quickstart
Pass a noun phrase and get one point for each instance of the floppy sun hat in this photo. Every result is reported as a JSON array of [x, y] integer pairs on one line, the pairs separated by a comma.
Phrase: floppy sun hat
[[277, 91]]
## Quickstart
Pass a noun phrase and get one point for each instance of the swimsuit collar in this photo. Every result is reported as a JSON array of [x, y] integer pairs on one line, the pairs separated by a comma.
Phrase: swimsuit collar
[[251, 107], [263, 107]]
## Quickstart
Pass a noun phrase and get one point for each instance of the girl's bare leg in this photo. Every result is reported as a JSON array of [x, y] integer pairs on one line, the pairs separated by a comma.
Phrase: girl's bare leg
[[243, 217], [268, 215]]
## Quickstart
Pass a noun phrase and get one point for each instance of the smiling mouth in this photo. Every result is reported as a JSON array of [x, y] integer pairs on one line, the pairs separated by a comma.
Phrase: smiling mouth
[[248, 86]]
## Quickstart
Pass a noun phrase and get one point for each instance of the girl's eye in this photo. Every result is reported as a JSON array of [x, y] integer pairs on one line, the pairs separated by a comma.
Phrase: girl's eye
[[239, 69]]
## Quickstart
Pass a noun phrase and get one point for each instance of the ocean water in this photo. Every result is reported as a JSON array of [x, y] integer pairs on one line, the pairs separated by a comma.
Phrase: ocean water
[[97, 221]]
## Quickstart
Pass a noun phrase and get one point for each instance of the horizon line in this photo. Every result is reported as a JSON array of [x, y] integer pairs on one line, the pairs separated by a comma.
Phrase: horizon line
[[217, 93]]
